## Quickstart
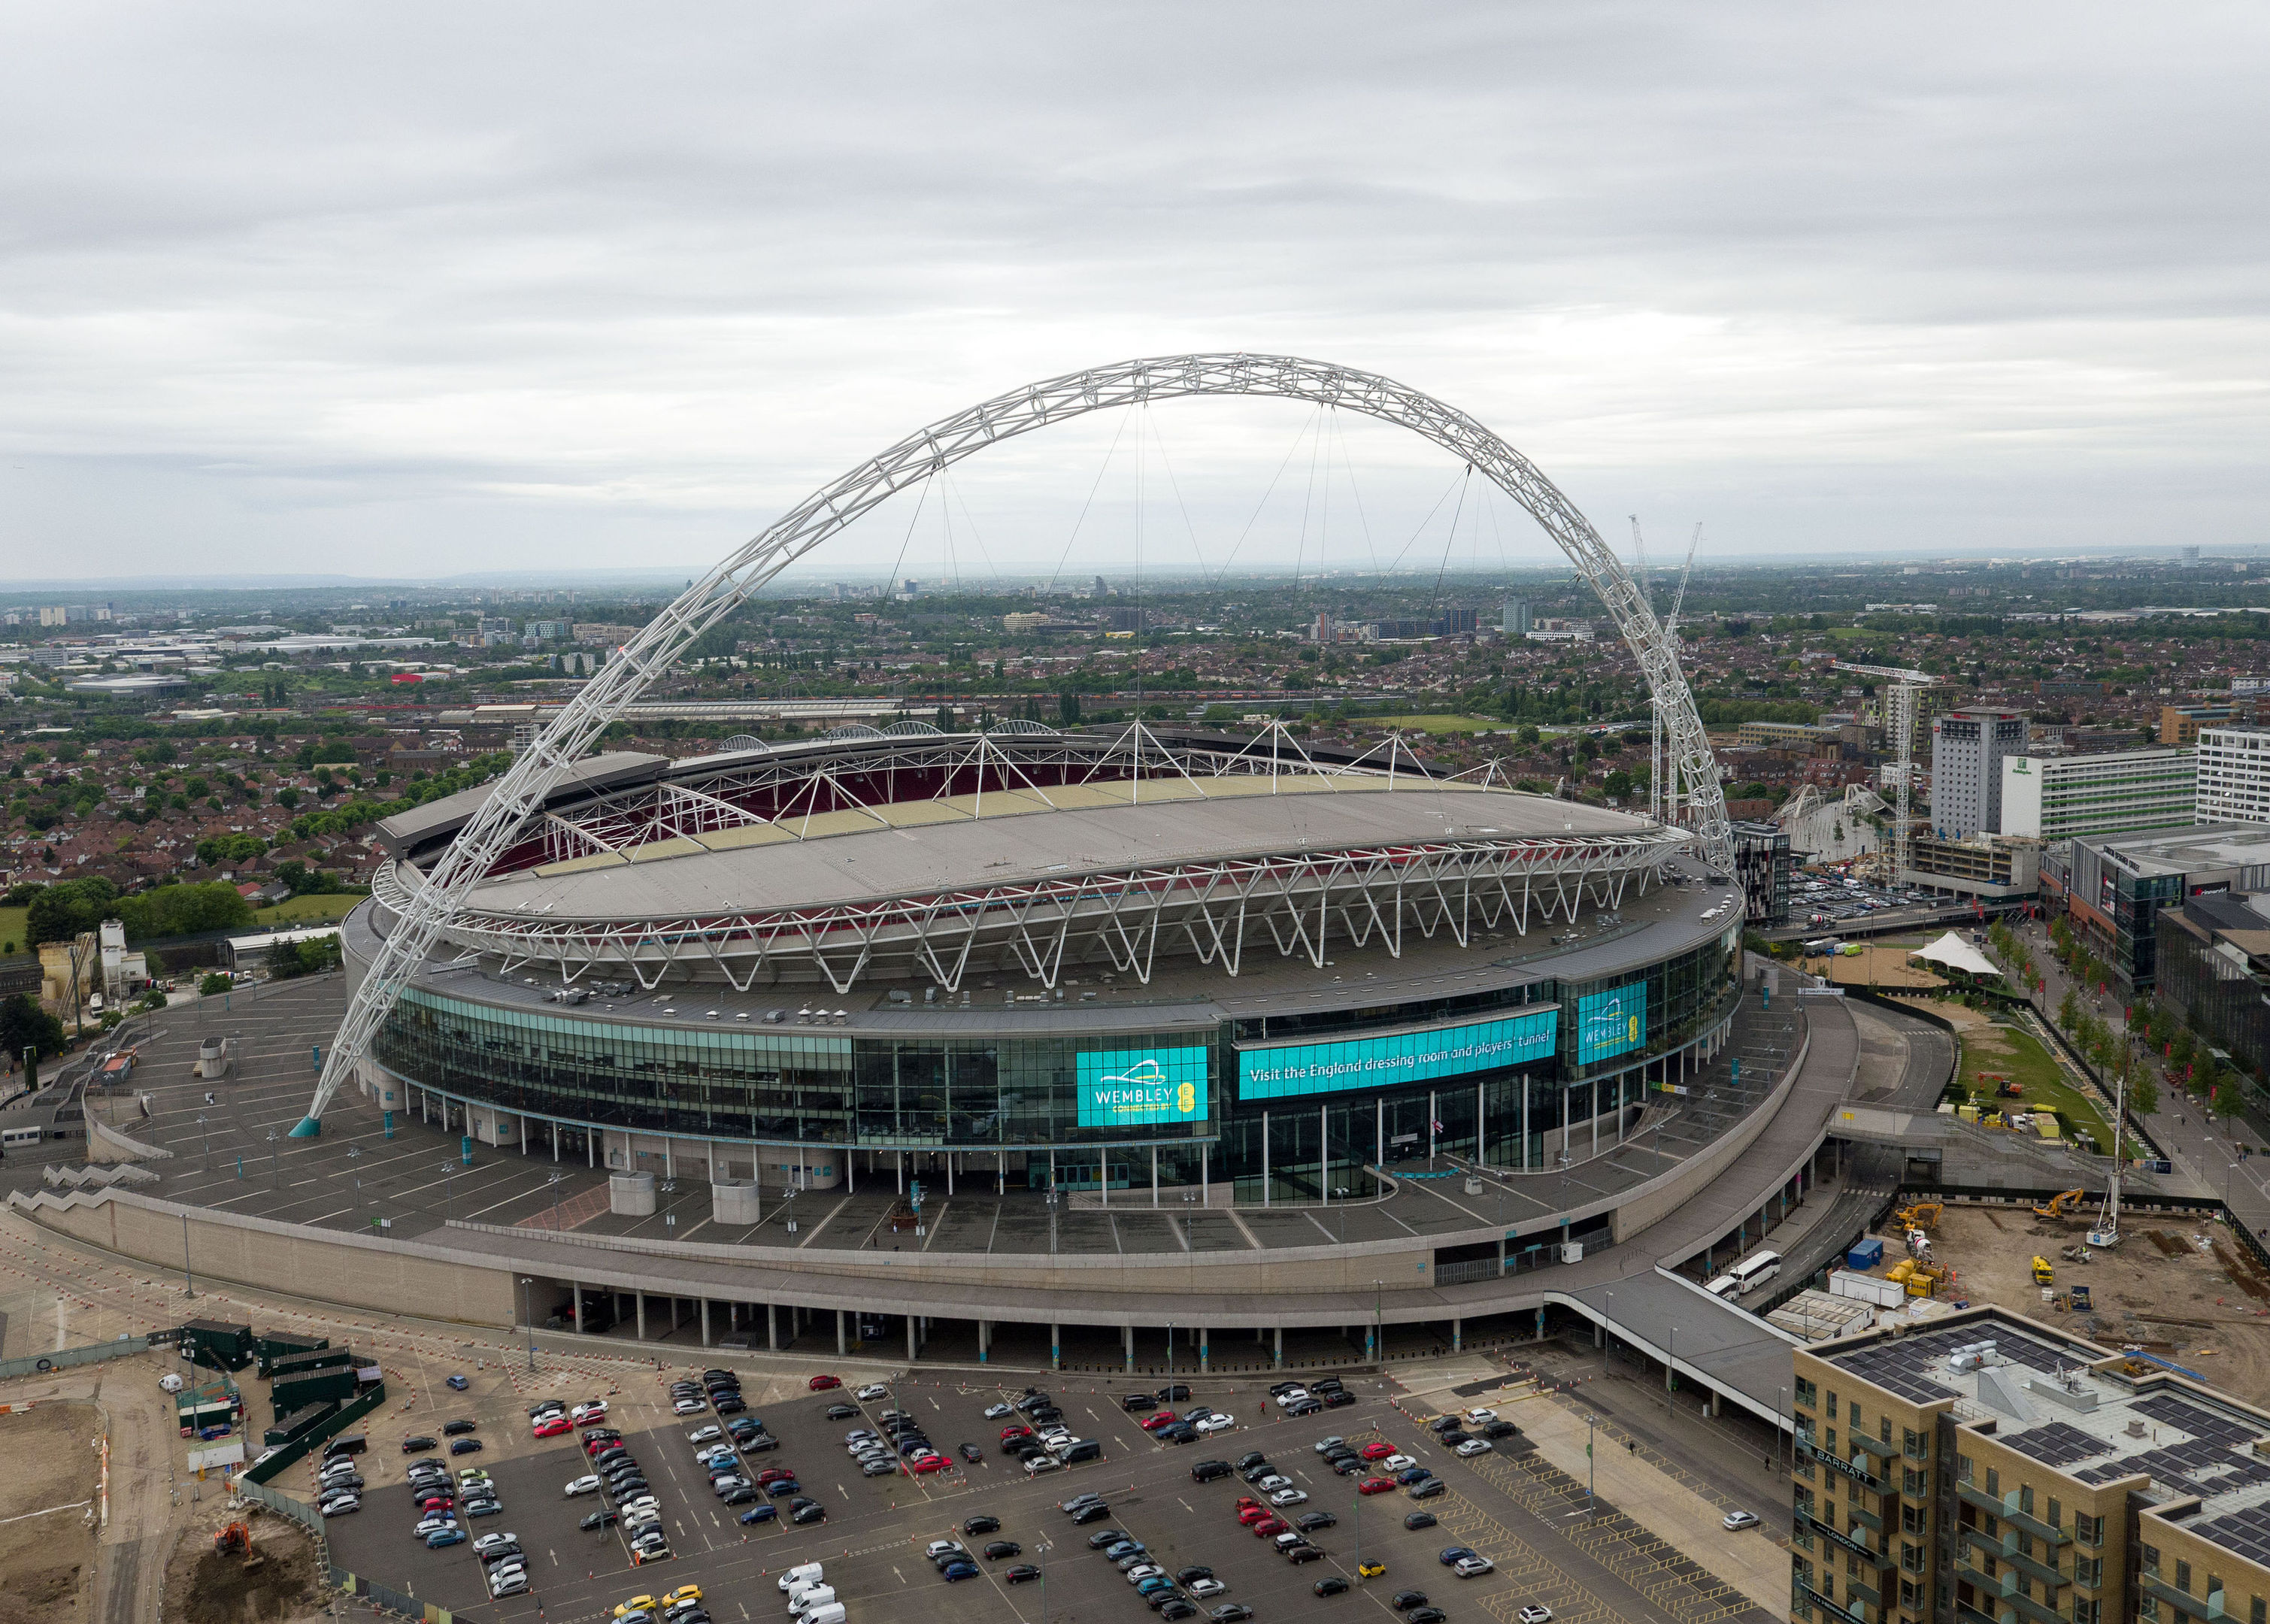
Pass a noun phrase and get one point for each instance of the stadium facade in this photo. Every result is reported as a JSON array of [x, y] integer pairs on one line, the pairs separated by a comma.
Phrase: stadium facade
[[1104, 963]]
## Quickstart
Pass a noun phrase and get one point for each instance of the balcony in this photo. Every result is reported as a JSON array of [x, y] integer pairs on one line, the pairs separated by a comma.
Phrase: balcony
[[2207, 1607], [1876, 1447], [1866, 1518], [2006, 1507], [1993, 1591]]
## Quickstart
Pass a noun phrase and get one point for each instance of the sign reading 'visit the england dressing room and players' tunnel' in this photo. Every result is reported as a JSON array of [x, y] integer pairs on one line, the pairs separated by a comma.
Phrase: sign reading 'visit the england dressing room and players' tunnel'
[[1296, 1069]]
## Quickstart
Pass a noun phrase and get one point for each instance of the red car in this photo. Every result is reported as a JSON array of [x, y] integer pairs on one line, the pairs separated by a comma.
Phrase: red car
[[1244, 1500], [1377, 1452], [774, 1474], [1160, 1422], [821, 1383], [1250, 1514], [1375, 1486], [553, 1427], [1008, 1433], [1268, 1527], [929, 1463]]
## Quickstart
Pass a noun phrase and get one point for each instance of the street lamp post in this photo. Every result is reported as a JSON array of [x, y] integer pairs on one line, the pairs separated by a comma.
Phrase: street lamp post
[[275, 1157], [1042, 1551], [1590, 1504], [189, 1281], [1378, 1349], [450, 1195], [1671, 1371], [205, 1134]]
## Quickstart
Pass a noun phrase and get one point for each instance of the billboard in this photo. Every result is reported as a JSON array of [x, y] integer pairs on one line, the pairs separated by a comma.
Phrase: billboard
[[1134, 1088], [1611, 1022], [1405, 1058]]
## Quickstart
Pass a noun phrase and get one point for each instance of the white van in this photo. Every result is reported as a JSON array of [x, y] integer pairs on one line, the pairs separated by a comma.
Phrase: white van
[[803, 1573], [1755, 1271], [832, 1613], [801, 1592], [811, 1600]]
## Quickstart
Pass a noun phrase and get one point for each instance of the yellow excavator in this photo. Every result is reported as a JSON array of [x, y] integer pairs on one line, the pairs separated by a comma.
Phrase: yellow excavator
[[2063, 1206], [1919, 1215]]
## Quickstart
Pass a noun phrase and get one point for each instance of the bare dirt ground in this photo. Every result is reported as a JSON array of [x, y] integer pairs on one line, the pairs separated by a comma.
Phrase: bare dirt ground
[[280, 1587], [2180, 1290], [1890, 968], [45, 1559]]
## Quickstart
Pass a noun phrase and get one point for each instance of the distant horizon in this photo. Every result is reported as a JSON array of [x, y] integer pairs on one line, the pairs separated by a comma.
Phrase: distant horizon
[[673, 578]]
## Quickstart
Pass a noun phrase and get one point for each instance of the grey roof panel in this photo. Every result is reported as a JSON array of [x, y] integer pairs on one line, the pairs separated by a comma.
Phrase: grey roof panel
[[895, 862]]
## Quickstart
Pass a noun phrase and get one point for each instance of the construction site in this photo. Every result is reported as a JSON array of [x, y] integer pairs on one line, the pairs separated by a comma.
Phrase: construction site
[[2186, 1291]]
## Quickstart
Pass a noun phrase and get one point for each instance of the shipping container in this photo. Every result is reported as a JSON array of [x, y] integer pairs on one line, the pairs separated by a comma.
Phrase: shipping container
[[1867, 1255], [1868, 1288], [217, 1345], [299, 1422], [310, 1358], [277, 1344], [316, 1387]]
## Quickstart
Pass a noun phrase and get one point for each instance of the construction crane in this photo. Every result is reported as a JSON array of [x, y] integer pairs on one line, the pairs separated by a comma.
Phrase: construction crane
[[2106, 1236], [1899, 720]]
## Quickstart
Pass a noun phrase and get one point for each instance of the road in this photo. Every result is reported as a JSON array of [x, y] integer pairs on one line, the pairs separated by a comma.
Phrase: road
[[2204, 1151]]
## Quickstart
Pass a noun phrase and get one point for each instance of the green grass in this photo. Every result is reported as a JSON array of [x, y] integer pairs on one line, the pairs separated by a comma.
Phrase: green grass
[[301, 909], [1441, 724], [12, 925], [2021, 1055]]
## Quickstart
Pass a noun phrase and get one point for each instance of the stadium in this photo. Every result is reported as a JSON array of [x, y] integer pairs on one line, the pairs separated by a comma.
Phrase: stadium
[[1071, 962]]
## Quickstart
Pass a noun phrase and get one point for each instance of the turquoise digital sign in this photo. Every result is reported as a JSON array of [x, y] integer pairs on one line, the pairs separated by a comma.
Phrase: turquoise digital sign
[[1138, 1087], [1611, 1022], [1406, 1057]]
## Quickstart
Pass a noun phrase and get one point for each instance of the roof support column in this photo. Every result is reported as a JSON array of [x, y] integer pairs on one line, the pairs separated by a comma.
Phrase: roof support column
[[642, 1314], [705, 1321], [1277, 1354], [772, 1327], [841, 1346], [984, 1341], [1056, 1348]]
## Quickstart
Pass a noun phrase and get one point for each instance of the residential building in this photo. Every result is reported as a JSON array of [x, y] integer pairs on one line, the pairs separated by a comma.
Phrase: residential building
[[2233, 775], [1985, 865], [2180, 724], [1988, 1469], [2051, 798], [1796, 735], [599, 632], [1516, 622], [2115, 888], [1967, 747]]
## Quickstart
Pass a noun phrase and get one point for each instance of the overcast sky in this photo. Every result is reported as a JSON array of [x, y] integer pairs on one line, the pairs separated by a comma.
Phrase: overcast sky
[[411, 290]]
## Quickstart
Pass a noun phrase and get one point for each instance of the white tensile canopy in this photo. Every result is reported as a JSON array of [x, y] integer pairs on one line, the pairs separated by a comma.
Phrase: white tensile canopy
[[1952, 951]]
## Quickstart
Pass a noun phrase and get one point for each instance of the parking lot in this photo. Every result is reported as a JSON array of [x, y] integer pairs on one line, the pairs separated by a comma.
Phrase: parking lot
[[871, 1542]]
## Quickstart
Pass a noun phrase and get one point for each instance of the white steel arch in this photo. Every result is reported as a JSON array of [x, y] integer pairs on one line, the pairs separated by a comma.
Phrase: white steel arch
[[928, 451]]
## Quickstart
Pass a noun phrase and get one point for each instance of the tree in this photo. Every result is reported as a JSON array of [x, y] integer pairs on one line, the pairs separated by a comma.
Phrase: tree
[[213, 983], [1619, 784], [2228, 1098], [2143, 1091], [25, 1025], [2068, 1011]]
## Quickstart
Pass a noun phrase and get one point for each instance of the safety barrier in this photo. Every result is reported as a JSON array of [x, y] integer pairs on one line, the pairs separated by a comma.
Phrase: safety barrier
[[387, 1600], [64, 1358]]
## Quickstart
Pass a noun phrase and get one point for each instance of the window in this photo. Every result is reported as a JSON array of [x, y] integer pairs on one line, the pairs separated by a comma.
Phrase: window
[[2254, 1612], [1808, 1394], [2090, 1530], [1884, 1429], [1994, 1482], [2184, 1576], [1856, 1412], [2151, 1559], [2026, 1498], [1962, 1469], [2087, 1611], [1911, 1444], [2057, 1515]]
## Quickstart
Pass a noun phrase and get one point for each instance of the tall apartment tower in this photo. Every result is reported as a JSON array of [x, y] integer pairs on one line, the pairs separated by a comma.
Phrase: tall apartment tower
[[2234, 776], [1517, 617], [1967, 747]]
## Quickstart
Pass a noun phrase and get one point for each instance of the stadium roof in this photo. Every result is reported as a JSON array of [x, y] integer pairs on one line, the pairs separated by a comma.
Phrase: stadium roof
[[1016, 836]]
